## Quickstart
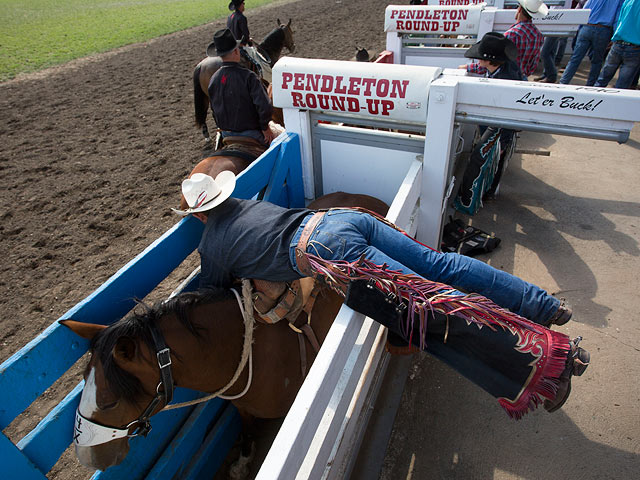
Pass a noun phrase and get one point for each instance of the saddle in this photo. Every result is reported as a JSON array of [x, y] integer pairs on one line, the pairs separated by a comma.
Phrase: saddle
[[277, 301], [246, 148]]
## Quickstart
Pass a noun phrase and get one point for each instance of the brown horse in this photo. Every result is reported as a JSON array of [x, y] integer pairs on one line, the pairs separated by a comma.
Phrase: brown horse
[[271, 48], [205, 334]]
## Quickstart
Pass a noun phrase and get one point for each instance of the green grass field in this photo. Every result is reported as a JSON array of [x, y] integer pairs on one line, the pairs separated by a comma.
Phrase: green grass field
[[36, 34]]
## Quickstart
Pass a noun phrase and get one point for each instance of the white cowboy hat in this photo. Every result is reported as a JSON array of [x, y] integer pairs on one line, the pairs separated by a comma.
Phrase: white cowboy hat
[[203, 193], [534, 6]]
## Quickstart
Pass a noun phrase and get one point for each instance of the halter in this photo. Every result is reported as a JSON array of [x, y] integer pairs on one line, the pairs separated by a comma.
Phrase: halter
[[88, 433]]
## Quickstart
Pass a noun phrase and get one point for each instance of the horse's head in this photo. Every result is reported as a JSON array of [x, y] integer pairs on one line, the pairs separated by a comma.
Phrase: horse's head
[[119, 394], [288, 36]]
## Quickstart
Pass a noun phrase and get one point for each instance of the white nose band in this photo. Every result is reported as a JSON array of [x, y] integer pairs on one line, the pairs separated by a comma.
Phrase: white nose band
[[89, 434]]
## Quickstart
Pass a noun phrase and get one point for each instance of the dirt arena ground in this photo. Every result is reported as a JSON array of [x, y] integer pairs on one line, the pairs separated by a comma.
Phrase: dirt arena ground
[[93, 153]]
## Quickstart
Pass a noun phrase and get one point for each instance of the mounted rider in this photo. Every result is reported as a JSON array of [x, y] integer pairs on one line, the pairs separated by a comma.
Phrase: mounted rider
[[239, 101], [237, 23]]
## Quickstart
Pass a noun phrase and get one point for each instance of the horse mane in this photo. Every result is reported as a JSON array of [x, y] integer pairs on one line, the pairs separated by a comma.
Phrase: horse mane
[[274, 39], [136, 327]]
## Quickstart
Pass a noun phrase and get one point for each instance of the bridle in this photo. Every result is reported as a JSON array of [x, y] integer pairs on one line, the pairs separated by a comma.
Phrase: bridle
[[88, 433]]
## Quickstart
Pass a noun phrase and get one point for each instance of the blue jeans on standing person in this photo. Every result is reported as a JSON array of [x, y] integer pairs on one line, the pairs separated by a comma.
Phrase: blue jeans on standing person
[[548, 55], [627, 57], [347, 235], [595, 37]]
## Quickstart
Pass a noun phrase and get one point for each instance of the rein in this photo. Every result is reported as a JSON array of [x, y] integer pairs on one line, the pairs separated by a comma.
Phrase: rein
[[247, 314], [88, 433]]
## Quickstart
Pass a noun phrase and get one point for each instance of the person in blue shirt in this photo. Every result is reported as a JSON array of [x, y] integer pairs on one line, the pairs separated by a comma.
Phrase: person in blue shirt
[[625, 51], [595, 35]]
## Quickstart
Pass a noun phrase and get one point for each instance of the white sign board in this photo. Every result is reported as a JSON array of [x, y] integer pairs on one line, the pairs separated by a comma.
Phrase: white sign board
[[434, 20], [452, 3], [384, 91], [537, 100]]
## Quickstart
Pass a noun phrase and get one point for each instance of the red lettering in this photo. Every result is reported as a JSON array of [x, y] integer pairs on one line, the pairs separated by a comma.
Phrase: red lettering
[[354, 105], [387, 106], [353, 85], [327, 83], [403, 14], [382, 88], [367, 83], [312, 82], [286, 78], [323, 102], [399, 25], [372, 105], [298, 81], [393, 14], [337, 103], [296, 100], [399, 88], [339, 87], [436, 14], [311, 100]]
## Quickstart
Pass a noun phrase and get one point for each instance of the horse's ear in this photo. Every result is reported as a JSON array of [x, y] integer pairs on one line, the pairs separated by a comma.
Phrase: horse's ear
[[85, 330], [279, 22], [125, 351], [289, 24]]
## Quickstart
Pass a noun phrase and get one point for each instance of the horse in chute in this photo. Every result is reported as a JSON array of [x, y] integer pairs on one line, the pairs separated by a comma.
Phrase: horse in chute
[[208, 335], [270, 48]]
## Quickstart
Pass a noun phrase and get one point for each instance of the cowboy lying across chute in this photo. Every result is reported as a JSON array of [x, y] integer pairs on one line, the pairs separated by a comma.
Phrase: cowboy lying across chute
[[498, 336]]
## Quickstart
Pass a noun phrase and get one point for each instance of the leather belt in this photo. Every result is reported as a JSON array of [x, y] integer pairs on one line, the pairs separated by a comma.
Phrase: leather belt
[[301, 247], [626, 43]]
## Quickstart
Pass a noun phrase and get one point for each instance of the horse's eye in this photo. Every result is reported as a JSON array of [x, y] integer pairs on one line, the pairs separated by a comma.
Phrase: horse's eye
[[109, 406]]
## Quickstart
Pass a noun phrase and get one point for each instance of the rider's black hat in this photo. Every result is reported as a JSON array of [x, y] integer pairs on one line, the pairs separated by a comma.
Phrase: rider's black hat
[[235, 4], [494, 47], [223, 42]]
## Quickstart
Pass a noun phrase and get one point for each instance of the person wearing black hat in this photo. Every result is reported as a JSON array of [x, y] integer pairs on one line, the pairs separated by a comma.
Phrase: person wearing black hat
[[239, 101], [237, 22], [496, 54]]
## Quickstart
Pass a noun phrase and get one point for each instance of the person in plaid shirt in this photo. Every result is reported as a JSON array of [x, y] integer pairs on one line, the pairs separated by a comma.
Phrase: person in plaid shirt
[[525, 35]]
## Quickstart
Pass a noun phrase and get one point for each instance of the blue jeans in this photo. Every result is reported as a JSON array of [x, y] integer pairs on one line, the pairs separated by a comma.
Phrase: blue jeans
[[627, 57], [596, 38], [548, 55], [347, 235]]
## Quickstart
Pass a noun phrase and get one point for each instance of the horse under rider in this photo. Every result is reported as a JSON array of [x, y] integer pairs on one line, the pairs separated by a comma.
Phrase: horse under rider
[[496, 54], [239, 101], [249, 239]]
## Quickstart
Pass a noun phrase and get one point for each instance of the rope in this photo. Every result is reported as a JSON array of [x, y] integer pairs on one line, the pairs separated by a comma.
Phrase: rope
[[249, 322]]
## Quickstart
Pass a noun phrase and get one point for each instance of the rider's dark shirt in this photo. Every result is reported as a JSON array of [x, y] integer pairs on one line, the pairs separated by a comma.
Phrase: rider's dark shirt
[[238, 100], [237, 23], [235, 243]]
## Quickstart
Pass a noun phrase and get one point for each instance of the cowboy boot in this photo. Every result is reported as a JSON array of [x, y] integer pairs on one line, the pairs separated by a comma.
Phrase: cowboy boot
[[577, 363]]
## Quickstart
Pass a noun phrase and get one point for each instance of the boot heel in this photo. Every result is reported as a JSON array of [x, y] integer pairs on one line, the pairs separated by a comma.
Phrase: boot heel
[[580, 361]]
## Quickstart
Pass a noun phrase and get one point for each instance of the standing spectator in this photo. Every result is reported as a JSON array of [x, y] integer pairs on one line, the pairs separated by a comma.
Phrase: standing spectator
[[595, 35], [625, 52], [553, 51], [525, 35]]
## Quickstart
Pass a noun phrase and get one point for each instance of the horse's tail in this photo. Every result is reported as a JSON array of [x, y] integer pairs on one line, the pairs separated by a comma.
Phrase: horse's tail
[[200, 99]]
